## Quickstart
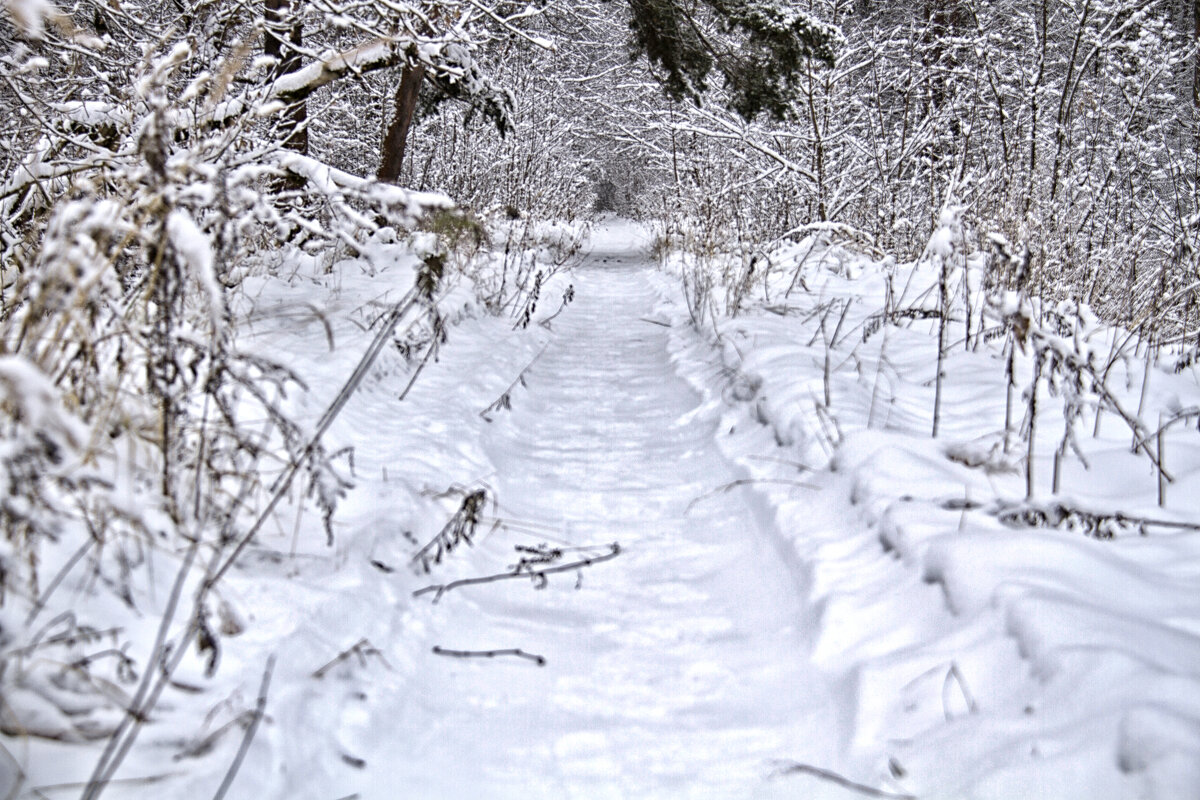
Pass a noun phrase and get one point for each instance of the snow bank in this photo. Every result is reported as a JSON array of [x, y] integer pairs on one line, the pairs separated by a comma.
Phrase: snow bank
[[336, 619], [979, 659]]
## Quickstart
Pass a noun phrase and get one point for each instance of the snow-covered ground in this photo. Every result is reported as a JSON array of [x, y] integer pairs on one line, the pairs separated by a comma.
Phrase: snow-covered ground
[[974, 659], [762, 594]]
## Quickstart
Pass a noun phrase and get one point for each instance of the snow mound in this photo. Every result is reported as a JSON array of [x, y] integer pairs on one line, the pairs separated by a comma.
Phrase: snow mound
[[983, 653]]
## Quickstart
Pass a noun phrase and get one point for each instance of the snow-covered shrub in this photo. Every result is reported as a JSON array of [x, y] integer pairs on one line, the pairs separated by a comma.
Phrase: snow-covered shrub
[[141, 442]]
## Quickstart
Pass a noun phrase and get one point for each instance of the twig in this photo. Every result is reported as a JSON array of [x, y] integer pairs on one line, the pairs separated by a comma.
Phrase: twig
[[723, 488], [504, 401], [58, 578], [362, 648], [655, 322], [441, 589], [203, 746], [259, 710], [68, 637], [539, 660], [460, 528], [956, 673], [434, 344], [808, 769], [568, 296]]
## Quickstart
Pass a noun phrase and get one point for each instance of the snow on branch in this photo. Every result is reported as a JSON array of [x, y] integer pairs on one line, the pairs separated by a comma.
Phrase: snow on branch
[[367, 57], [334, 183]]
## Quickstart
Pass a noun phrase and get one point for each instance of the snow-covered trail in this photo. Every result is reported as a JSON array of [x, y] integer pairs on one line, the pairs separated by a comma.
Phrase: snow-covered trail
[[681, 668]]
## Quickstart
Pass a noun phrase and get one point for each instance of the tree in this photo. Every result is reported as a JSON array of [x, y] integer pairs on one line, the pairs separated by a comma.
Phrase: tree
[[282, 22], [761, 49], [456, 76]]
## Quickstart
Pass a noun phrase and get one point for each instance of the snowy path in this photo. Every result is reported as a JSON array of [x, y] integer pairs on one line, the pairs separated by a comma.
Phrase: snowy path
[[680, 668], [869, 624]]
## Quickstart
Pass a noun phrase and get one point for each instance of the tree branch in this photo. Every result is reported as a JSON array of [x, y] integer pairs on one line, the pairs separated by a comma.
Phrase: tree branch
[[614, 550], [539, 660]]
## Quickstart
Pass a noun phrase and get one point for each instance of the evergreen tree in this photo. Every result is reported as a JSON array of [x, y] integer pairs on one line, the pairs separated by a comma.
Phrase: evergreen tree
[[760, 48]]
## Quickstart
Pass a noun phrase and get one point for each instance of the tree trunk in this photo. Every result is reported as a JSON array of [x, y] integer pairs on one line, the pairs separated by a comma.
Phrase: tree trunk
[[1196, 57], [277, 13], [396, 140]]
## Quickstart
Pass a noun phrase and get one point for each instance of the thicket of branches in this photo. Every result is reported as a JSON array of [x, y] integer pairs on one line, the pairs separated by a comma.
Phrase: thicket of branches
[[153, 157], [1069, 127]]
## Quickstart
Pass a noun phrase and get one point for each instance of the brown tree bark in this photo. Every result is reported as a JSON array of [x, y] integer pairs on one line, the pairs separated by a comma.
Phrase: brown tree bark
[[945, 19], [396, 140], [277, 14]]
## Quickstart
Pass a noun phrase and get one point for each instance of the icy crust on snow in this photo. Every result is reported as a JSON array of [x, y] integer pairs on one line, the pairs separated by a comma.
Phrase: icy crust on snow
[[978, 660]]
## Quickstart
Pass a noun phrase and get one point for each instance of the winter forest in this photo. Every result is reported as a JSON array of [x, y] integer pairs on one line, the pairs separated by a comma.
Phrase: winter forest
[[600, 399]]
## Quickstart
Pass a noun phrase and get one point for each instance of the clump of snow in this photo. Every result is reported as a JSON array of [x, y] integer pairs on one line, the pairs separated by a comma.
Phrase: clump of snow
[[31, 398], [947, 237], [196, 252], [30, 16]]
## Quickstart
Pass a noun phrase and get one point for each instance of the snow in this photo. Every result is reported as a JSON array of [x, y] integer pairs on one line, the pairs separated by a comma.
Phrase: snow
[[30, 16], [407, 204], [196, 253], [313, 74], [987, 660], [34, 400], [617, 236], [803, 589]]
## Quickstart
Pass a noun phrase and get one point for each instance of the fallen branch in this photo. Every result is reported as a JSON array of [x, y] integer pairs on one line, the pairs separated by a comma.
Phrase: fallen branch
[[568, 296], [796, 767], [614, 550], [1099, 524], [539, 660]]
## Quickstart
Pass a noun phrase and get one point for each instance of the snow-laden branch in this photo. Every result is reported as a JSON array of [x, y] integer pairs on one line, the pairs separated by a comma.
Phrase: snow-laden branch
[[378, 54], [334, 182], [725, 130]]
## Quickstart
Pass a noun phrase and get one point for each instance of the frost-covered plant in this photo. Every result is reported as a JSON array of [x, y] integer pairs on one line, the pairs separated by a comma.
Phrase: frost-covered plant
[[1065, 346], [133, 427], [509, 277], [1074, 121]]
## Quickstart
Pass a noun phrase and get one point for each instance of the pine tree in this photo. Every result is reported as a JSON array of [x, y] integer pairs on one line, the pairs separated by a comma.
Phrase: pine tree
[[761, 49]]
